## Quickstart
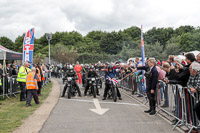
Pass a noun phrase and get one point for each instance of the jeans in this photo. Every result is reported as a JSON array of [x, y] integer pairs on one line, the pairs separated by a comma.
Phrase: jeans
[[161, 90]]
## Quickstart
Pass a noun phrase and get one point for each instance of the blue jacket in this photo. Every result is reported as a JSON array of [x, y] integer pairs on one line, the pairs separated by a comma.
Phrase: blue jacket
[[110, 74]]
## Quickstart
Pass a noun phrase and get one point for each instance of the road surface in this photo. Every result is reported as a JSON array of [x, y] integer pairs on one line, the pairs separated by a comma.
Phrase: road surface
[[125, 116]]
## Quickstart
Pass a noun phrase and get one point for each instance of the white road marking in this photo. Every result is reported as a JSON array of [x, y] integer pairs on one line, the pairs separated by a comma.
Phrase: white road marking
[[98, 109], [90, 101]]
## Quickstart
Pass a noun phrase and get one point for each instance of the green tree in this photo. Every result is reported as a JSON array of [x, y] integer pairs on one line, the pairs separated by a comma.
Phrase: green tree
[[18, 45], [6, 42], [111, 43]]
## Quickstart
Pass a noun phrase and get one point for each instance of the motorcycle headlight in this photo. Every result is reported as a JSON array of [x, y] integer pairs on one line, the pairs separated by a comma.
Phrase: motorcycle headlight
[[93, 79], [69, 78]]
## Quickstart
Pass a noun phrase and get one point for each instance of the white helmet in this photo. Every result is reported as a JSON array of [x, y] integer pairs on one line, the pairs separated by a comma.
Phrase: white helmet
[[71, 67]]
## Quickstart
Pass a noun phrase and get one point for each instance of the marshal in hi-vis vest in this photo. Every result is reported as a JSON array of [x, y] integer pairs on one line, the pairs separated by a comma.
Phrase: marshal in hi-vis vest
[[30, 81], [39, 75], [21, 77]]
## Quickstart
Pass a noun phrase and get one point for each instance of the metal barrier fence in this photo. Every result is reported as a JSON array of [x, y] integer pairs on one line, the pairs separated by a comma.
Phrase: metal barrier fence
[[133, 83], [12, 86], [181, 102], [172, 99]]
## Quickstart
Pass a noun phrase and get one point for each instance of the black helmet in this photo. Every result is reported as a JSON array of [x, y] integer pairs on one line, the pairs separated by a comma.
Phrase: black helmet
[[110, 67]]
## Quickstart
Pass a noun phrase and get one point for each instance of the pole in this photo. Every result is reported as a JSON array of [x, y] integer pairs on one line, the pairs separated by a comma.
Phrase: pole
[[49, 51], [49, 59], [4, 60]]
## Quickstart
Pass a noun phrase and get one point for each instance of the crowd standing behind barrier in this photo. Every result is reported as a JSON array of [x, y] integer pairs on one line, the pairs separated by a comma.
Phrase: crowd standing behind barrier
[[171, 98], [11, 84]]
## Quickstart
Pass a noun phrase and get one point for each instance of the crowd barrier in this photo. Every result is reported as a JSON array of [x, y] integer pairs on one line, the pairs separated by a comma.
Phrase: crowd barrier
[[181, 102], [133, 83], [172, 99], [11, 86]]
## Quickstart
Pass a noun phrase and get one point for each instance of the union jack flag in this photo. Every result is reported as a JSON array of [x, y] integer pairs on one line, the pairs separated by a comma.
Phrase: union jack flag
[[28, 46], [113, 80]]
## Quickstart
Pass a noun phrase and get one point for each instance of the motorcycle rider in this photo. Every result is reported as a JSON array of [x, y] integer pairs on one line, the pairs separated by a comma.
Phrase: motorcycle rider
[[110, 73], [84, 71], [71, 73], [91, 74]]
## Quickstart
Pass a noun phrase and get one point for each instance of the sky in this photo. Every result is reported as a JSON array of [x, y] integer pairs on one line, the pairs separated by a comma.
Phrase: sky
[[18, 16]]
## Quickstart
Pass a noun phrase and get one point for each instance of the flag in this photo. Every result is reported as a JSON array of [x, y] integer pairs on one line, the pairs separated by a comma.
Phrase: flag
[[28, 46], [112, 80], [143, 59], [142, 48]]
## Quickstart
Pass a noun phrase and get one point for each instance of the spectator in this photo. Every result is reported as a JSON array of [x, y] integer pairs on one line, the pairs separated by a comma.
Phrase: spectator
[[40, 78], [184, 73], [198, 58], [183, 62], [170, 78], [194, 85], [171, 61], [161, 76], [159, 63], [153, 80], [14, 72], [137, 62]]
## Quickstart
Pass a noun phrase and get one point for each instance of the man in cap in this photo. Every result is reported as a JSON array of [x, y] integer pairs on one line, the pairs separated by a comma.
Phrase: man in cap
[[40, 78]]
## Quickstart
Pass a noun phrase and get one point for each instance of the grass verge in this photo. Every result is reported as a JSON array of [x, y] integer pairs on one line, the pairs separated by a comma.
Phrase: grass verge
[[13, 112]]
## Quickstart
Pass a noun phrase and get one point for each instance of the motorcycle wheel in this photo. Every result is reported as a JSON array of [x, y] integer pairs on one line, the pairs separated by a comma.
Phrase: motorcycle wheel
[[114, 94], [69, 93], [94, 91]]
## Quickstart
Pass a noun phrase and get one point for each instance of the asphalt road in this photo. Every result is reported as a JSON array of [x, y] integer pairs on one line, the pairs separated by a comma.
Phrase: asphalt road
[[126, 116]]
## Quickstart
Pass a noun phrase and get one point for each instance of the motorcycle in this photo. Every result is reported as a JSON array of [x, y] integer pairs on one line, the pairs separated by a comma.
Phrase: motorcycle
[[92, 86], [99, 81], [112, 93], [71, 89]]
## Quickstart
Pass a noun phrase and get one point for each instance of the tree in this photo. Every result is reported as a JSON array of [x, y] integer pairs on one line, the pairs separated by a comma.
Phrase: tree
[[38, 58], [6, 42], [111, 43], [63, 54], [18, 45], [161, 35], [184, 29], [155, 51], [172, 49]]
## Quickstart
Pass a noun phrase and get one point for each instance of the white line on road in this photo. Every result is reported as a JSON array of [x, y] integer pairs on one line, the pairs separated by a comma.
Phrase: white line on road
[[90, 101]]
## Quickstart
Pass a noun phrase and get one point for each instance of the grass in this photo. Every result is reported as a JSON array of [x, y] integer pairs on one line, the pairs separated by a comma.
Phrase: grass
[[13, 112]]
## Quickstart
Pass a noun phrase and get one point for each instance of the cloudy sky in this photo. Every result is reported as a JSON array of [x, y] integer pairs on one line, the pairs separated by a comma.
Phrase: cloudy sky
[[17, 16]]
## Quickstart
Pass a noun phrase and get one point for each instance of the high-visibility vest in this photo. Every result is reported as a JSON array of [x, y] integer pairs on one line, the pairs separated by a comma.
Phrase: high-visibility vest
[[39, 75], [21, 77], [0, 82], [30, 81]]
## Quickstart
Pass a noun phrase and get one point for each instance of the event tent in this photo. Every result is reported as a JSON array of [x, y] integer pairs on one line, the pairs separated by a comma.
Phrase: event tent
[[9, 54]]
